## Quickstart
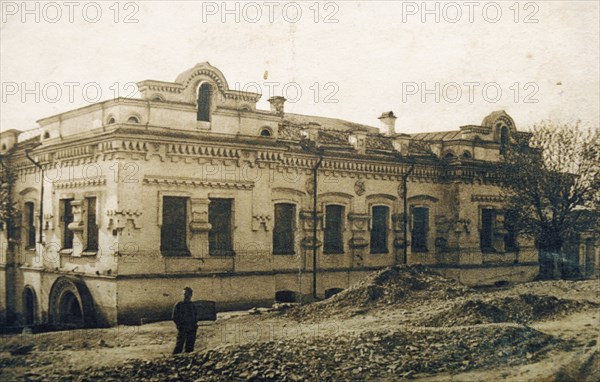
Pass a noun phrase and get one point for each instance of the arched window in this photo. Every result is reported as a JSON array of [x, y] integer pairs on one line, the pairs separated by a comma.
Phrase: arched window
[[133, 119], [204, 98], [111, 120], [3, 146], [467, 155], [503, 139], [46, 135], [265, 132]]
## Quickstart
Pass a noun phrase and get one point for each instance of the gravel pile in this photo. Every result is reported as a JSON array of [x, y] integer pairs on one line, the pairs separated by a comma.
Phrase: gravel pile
[[388, 355], [521, 309], [409, 285]]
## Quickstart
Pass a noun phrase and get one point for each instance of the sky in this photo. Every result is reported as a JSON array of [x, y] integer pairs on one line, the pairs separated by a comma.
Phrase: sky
[[437, 65]]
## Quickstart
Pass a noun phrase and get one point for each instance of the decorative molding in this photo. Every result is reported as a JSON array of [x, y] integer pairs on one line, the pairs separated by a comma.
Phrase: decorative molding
[[117, 219], [48, 222], [263, 221], [309, 186], [428, 198], [199, 222], [359, 187], [197, 182], [210, 151], [487, 198], [77, 151], [80, 183], [358, 222]]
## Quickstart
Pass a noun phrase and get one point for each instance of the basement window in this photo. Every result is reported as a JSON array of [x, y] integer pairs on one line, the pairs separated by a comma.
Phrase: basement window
[[333, 241], [173, 232], [420, 229], [283, 231], [220, 237], [379, 229]]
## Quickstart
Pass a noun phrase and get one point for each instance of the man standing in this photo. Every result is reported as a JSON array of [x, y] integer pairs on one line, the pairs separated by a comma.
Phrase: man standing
[[186, 320]]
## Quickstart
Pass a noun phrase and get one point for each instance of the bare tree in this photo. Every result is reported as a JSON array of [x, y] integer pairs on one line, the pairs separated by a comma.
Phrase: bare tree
[[553, 186]]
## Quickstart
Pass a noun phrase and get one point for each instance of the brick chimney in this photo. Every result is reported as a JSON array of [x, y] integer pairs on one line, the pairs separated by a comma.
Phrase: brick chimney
[[388, 123], [277, 103]]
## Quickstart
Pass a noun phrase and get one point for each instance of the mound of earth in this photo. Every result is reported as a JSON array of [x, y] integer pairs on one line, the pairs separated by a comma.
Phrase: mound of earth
[[521, 309], [390, 286], [374, 355]]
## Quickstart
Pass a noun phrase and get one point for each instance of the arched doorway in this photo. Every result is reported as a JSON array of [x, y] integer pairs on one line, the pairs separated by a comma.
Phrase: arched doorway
[[29, 306], [71, 304], [69, 310]]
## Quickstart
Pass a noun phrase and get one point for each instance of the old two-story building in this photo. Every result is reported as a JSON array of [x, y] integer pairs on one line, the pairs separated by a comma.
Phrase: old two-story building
[[122, 203]]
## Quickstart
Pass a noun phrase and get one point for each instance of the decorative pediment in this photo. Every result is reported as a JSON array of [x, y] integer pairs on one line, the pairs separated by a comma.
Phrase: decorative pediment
[[184, 89]]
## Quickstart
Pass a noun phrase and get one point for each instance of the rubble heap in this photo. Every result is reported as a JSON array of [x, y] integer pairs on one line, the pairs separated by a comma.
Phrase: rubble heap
[[390, 355], [521, 309], [409, 285]]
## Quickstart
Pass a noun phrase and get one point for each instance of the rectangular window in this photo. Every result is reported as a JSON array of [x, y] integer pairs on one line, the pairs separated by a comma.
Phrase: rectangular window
[[420, 229], [91, 226], [220, 237], [29, 224], [173, 233], [334, 242], [283, 230], [486, 235], [379, 229], [67, 218]]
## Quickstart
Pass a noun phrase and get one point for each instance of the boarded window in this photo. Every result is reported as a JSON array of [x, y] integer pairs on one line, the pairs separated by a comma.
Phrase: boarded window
[[486, 235], [204, 98], [220, 238], [67, 218], [173, 233], [283, 231], [333, 242], [420, 229], [379, 229], [91, 226], [29, 224]]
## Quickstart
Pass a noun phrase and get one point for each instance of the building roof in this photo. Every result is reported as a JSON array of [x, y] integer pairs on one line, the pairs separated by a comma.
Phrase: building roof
[[328, 123], [10, 132], [437, 136]]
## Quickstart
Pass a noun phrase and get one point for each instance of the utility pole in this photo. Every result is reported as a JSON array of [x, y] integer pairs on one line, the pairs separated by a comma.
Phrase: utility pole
[[315, 223], [41, 218], [405, 222], [311, 147]]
